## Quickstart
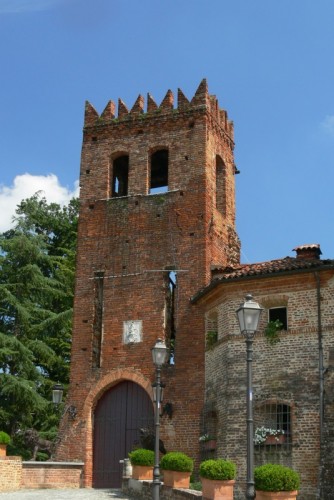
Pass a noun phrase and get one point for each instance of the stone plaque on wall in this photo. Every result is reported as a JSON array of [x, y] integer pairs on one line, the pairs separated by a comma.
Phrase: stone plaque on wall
[[132, 331]]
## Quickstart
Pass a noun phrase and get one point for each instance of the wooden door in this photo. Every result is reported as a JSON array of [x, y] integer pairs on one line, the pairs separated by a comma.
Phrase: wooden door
[[119, 415]]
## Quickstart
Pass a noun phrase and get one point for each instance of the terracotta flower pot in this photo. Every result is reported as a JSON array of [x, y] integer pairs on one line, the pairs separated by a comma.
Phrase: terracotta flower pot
[[217, 490], [280, 439], [276, 495], [3, 448], [210, 445], [176, 479], [143, 472]]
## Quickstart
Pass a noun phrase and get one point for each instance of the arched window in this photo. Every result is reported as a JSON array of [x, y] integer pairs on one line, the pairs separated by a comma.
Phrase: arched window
[[220, 185], [159, 171], [120, 174]]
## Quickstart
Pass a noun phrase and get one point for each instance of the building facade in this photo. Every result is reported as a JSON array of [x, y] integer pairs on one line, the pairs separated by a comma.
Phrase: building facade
[[159, 257], [293, 373], [157, 211]]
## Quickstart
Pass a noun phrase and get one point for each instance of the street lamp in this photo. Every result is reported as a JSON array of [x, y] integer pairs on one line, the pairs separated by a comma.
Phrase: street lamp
[[159, 355], [248, 316]]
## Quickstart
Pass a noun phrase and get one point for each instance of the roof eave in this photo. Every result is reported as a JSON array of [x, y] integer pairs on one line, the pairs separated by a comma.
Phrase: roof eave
[[220, 281]]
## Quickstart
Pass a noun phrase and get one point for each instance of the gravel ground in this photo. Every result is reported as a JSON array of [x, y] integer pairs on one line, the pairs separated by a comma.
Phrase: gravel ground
[[69, 494]]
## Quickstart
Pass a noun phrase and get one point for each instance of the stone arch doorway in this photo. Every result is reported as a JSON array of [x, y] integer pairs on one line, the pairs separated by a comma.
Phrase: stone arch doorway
[[118, 416]]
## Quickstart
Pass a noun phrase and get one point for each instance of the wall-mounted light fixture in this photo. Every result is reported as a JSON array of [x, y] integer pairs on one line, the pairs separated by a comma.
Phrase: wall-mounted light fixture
[[57, 396], [167, 409]]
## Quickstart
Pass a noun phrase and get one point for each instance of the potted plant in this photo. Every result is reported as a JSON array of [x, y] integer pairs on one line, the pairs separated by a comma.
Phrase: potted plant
[[177, 468], [4, 440], [273, 481], [218, 478], [266, 435], [142, 462], [209, 442]]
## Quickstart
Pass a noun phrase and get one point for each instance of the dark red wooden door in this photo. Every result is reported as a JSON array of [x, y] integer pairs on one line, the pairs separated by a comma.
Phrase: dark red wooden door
[[119, 415]]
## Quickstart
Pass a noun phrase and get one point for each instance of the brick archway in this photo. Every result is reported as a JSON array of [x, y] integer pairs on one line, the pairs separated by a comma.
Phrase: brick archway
[[93, 397]]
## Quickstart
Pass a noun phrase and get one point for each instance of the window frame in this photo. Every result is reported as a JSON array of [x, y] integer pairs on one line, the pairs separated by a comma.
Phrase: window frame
[[276, 415], [159, 170], [120, 175], [220, 184], [283, 318]]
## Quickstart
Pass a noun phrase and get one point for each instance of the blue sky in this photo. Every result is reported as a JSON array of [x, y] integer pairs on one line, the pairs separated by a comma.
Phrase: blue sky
[[269, 62]]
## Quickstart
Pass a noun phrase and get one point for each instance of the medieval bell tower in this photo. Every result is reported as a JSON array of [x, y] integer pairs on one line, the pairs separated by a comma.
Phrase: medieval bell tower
[[157, 211]]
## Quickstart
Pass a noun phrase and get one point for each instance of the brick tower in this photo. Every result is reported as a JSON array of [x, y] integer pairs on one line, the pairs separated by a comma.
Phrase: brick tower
[[157, 211]]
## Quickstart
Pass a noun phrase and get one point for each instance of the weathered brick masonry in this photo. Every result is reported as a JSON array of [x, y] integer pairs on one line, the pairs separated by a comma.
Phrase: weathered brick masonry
[[10, 473], [51, 475], [286, 374], [131, 239]]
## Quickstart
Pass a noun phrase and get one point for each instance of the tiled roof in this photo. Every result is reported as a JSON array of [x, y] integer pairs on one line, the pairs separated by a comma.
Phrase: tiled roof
[[270, 267], [263, 269]]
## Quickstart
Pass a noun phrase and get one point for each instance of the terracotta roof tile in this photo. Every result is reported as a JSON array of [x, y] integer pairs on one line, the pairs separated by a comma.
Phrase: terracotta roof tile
[[310, 246], [262, 269], [269, 267]]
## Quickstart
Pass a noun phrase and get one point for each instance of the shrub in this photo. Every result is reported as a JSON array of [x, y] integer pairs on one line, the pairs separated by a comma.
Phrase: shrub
[[197, 486], [219, 470], [175, 460], [4, 438], [142, 457], [42, 457], [274, 477]]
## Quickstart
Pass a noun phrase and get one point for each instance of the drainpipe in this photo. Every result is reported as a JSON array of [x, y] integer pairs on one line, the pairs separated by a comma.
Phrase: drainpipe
[[321, 382]]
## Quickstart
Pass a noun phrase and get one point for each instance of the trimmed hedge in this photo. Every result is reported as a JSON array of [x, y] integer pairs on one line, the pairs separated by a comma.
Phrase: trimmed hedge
[[274, 477], [142, 457], [175, 460], [219, 470], [4, 438]]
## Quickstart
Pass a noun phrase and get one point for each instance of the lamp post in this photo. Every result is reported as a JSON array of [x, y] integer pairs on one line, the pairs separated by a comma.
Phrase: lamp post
[[248, 316], [159, 355]]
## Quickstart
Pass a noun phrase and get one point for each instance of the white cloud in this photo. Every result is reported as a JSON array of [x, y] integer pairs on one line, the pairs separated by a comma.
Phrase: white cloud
[[25, 186], [18, 6], [328, 124]]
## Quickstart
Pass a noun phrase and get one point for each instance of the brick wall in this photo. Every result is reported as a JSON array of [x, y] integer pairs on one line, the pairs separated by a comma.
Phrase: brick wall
[[287, 372], [132, 240], [51, 475], [10, 473]]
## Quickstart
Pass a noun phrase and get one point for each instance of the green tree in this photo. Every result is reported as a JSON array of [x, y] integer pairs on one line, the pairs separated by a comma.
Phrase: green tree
[[37, 266]]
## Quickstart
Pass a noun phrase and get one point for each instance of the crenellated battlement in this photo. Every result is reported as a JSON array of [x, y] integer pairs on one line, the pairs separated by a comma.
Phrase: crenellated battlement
[[201, 100]]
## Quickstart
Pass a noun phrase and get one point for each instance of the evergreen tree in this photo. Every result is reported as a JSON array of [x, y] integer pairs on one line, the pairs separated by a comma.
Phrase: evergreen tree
[[37, 266]]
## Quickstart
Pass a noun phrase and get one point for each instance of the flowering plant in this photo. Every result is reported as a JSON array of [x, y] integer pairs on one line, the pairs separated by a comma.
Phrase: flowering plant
[[261, 434], [205, 437], [271, 331]]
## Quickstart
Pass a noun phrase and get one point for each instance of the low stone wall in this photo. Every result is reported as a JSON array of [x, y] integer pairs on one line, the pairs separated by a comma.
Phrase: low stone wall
[[52, 474], [10, 473], [142, 490]]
